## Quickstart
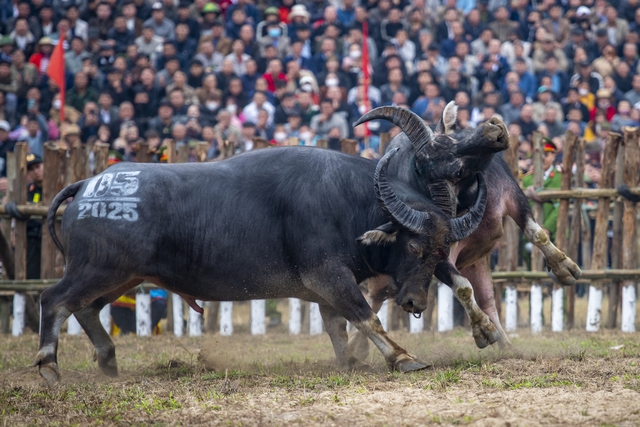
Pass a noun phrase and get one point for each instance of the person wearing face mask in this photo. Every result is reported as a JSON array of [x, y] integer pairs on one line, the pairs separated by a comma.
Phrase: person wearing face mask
[[280, 135], [276, 36]]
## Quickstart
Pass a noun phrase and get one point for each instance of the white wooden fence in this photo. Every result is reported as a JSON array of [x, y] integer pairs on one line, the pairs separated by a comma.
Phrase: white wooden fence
[[444, 317]]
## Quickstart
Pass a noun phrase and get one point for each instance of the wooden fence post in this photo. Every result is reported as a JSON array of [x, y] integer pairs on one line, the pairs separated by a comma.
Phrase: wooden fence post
[[557, 312], [143, 155], [599, 258], [52, 183], [508, 255], [8, 259], [195, 321], [576, 229], [616, 242], [349, 146], [629, 237], [101, 158], [445, 308], [20, 197], [183, 153], [143, 314], [201, 151], [172, 155], [315, 319], [536, 256], [384, 141]]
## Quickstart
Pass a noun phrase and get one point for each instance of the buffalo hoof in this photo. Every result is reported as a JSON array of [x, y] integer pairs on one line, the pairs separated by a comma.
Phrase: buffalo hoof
[[565, 270], [408, 363], [107, 364], [50, 372], [485, 333]]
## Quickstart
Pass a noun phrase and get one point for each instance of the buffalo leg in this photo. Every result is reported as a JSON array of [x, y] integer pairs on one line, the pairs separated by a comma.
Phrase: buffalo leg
[[336, 327], [479, 274], [558, 262], [345, 297], [104, 349], [484, 332], [379, 289], [58, 302]]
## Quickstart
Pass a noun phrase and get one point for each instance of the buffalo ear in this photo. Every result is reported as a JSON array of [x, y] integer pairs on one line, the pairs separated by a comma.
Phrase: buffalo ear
[[385, 234], [447, 123]]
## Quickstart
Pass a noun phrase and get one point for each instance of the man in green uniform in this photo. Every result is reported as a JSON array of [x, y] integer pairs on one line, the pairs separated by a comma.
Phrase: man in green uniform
[[35, 170], [552, 179]]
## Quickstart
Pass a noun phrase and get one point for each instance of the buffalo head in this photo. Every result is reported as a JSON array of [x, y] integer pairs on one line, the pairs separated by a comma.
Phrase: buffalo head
[[449, 158], [418, 236]]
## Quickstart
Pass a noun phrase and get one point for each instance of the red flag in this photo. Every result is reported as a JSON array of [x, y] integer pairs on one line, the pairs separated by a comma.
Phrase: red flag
[[365, 69], [55, 71]]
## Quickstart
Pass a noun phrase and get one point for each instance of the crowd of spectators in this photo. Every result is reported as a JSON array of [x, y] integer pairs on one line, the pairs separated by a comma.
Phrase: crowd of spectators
[[232, 70]]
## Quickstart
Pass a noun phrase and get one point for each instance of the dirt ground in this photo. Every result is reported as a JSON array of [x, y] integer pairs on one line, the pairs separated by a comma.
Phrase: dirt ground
[[570, 378]]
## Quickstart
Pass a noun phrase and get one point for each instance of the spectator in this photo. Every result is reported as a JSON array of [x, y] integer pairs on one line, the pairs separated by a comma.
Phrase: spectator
[[502, 26], [81, 93], [546, 49], [162, 26], [322, 123], [120, 35], [525, 121], [556, 25], [259, 103], [616, 28], [585, 73], [545, 101], [6, 146]]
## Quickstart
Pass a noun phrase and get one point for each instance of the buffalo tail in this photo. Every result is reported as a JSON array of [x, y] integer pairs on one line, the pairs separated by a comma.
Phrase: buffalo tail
[[69, 191], [625, 192]]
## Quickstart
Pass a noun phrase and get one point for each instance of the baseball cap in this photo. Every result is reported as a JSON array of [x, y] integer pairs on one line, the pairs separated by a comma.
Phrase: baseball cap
[[33, 159]]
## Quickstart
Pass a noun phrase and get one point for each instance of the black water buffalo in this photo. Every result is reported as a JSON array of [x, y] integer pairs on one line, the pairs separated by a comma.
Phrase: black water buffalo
[[442, 165], [287, 222]]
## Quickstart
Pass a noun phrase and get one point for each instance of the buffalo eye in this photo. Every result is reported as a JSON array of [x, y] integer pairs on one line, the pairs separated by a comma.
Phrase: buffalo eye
[[414, 247]]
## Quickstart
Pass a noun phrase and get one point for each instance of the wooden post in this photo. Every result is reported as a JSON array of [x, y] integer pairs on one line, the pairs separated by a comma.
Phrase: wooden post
[[293, 141], [629, 237], [78, 160], [143, 155], [226, 318], [183, 154], [384, 141], [260, 143], [258, 309], [383, 315], [315, 319], [349, 146], [599, 259], [172, 155], [295, 316], [509, 250], [616, 241], [101, 159], [195, 321], [20, 197], [143, 315], [322, 143], [201, 151], [51, 185], [431, 302], [177, 316], [8, 260], [576, 230], [557, 313], [445, 308], [536, 255]]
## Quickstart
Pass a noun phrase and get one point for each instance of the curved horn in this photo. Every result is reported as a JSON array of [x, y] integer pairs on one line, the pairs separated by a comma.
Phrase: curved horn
[[399, 212], [411, 124], [463, 226]]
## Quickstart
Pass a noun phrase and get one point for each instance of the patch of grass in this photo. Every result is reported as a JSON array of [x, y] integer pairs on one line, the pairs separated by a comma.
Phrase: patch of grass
[[543, 381], [443, 379]]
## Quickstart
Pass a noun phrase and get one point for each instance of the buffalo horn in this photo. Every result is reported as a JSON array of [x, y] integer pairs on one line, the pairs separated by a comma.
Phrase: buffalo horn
[[463, 226], [405, 216], [411, 124]]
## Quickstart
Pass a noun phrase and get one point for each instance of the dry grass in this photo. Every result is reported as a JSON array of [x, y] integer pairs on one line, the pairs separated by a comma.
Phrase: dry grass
[[553, 379]]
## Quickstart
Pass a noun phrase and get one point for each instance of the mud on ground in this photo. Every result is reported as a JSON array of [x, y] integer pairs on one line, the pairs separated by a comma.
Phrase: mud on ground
[[550, 379]]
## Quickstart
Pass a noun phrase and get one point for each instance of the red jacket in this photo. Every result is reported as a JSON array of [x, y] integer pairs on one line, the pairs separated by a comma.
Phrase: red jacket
[[271, 82]]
